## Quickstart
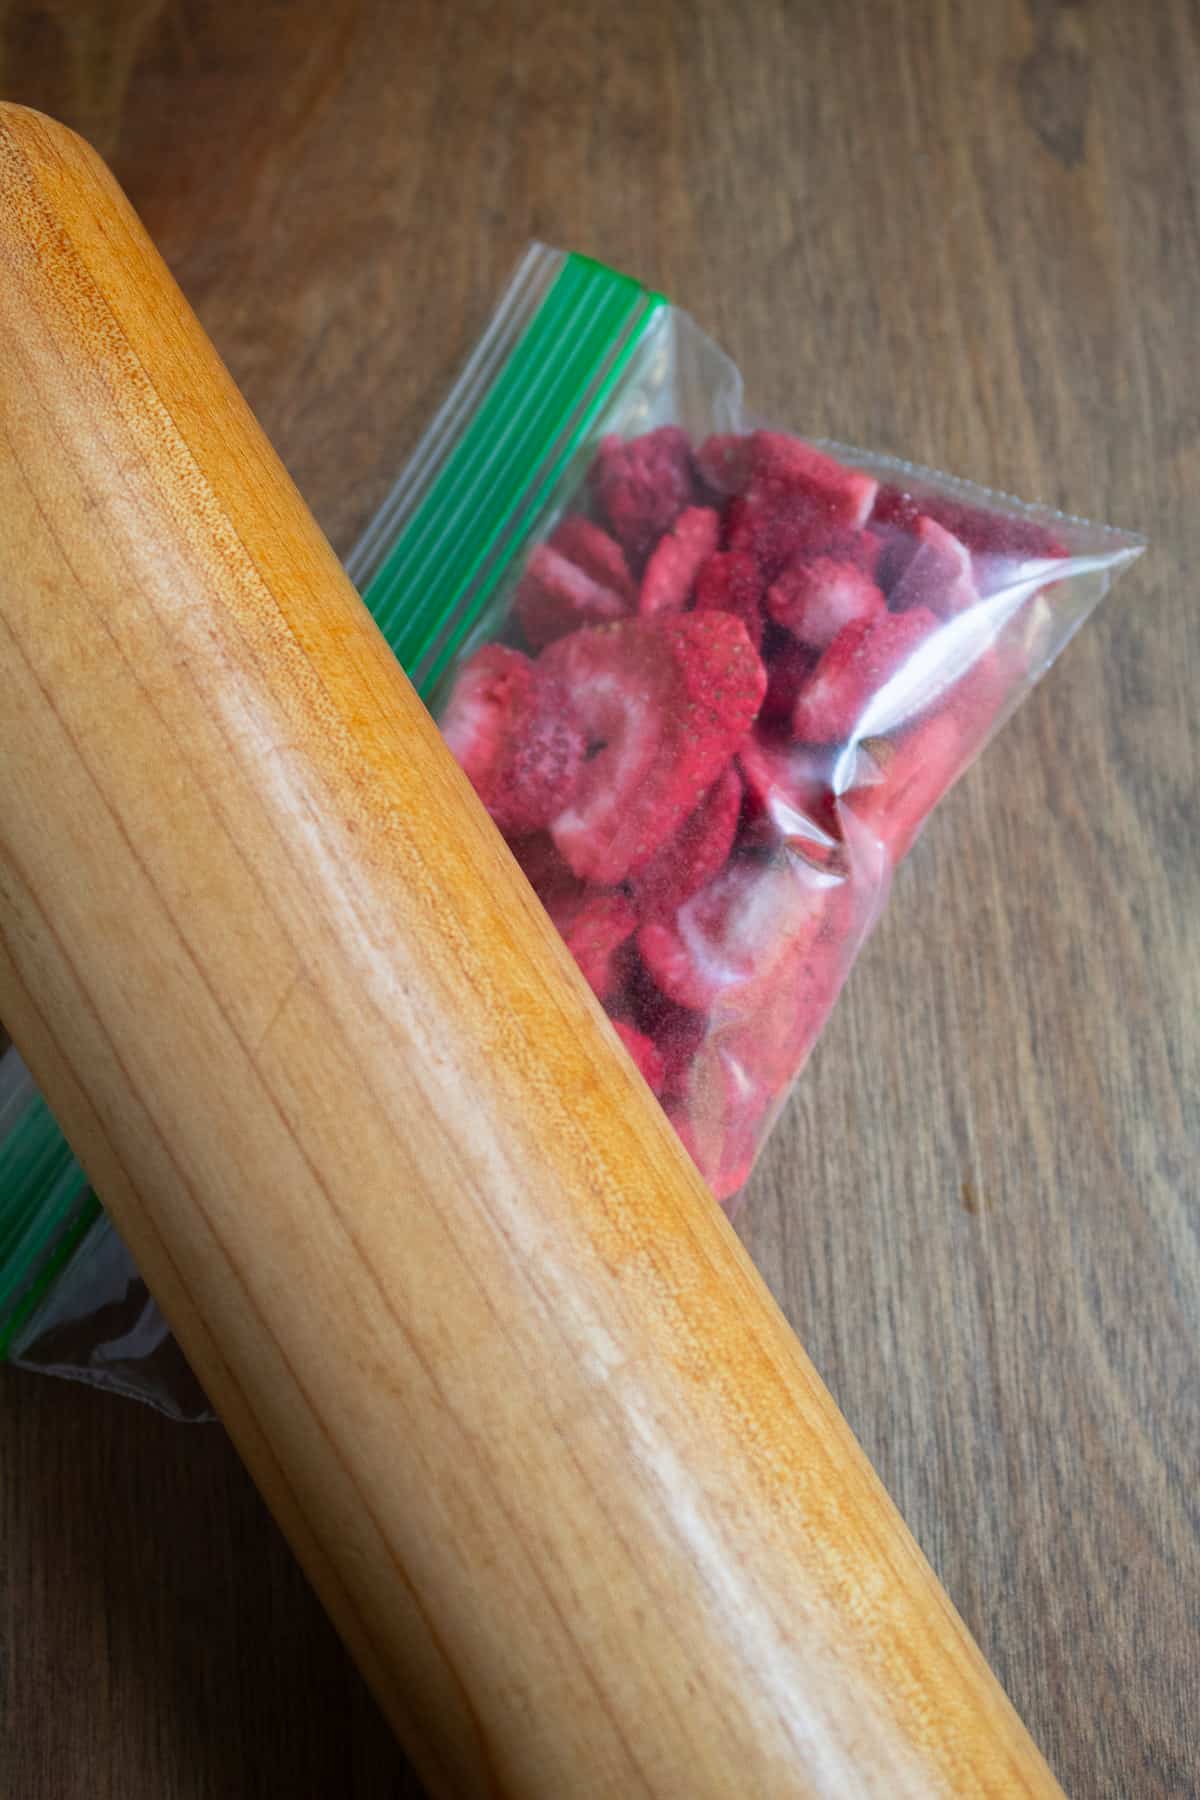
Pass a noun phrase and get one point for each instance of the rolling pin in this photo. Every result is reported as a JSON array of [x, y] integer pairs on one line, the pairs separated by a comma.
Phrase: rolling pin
[[548, 1451]]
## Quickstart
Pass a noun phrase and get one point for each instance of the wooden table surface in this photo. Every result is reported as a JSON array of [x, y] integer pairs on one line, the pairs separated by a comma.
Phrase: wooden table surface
[[965, 234]]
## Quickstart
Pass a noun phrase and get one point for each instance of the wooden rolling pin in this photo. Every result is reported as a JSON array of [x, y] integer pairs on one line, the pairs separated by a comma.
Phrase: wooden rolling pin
[[551, 1456]]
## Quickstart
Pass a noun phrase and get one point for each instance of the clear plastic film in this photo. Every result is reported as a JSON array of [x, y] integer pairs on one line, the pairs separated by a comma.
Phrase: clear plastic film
[[709, 679]]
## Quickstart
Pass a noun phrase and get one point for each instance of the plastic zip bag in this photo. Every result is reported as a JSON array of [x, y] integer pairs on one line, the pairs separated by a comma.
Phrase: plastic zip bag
[[709, 679]]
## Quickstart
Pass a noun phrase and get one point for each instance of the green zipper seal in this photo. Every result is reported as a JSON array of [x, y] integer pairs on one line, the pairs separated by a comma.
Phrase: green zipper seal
[[46, 1206], [430, 568], [434, 585]]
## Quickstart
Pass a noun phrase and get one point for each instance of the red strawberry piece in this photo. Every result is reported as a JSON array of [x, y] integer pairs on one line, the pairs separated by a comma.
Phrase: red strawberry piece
[[492, 690], [676, 559], [508, 727], [594, 926], [894, 507], [841, 496], [788, 668], [896, 550], [545, 870], [556, 596], [698, 851], [593, 550], [913, 774], [817, 595], [662, 703], [542, 764], [789, 796], [723, 462], [983, 530], [773, 521], [937, 574], [643, 485], [727, 939], [730, 582], [723, 1148], [767, 1047], [862, 659], [679, 1034], [645, 1053], [996, 533]]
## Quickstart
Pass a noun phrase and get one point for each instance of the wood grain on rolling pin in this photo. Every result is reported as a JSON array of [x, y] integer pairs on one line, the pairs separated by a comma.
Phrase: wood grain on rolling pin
[[548, 1451]]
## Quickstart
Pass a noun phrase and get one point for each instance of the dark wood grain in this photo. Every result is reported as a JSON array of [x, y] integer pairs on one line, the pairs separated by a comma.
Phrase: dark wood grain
[[966, 234]]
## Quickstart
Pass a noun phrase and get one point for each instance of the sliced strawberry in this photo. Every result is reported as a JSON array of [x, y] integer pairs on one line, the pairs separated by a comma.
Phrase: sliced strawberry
[[985, 531], [556, 596], [594, 927], [773, 521], [622, 689], [645, 1053], [698, 851], [726, 941], [840, 496], [679, 1033], [593, 550], [676, 559], [724, 1156], [894, 507], [723, 462], [897, 547], [789, 796], [862, 658], [542, 764], [509, 728], [766, 1047], [642, 485], [914, 773], [730, 582], [545, 870], [817, 595], [788, 668], [491, 692], [937, 574], [663, 703]]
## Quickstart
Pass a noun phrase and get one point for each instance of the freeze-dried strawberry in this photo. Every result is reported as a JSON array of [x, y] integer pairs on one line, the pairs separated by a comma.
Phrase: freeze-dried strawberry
[[698, 851], [594, 927], [723, 462], [726, 941], [789, 795], [545, 870], [642, 485], [937, 574], [840, 496], [894, 507], [675, 560], [542, 763], [767, 1045], [897, 548], [860, 661], [556, 596], [816, 596], [508, 726], [724, 1153], [595, 551], [788, 668], [645, 1053], [983, 531], [913, 774], [663, 704], [491, 692], [679, 1032], [730, 582], [773, 521]]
